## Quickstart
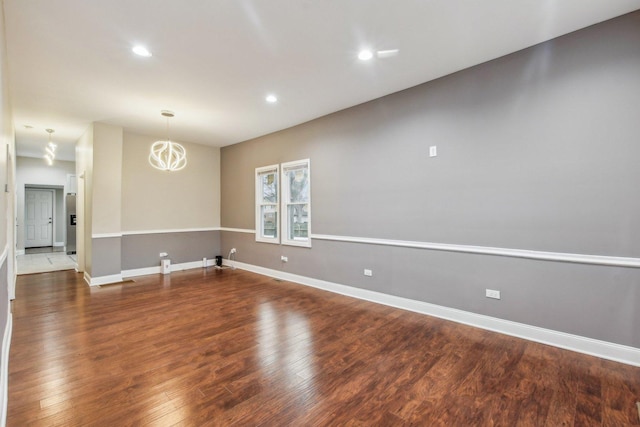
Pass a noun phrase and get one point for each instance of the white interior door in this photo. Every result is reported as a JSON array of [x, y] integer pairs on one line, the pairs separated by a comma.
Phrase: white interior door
[[38, 211]]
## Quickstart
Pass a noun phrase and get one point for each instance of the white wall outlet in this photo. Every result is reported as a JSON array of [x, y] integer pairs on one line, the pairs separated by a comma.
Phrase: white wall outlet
[[163, 254], [368, 272], [490, 293], [233, 250], [284, 258], [433, 151]]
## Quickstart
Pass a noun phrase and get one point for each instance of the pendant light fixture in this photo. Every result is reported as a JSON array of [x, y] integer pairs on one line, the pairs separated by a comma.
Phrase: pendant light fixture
[[167, 155], [50, 149]]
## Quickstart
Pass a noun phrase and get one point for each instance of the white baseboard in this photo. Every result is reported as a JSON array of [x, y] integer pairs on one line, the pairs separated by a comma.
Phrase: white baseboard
[[592, 347], [58, 244], [19, 251], [12, 286], [190, 265], [102, 280], [174, 267], [140, 272], [4, 368]]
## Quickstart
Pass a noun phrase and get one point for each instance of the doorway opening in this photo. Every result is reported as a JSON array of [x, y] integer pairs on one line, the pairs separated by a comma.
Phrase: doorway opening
[[44, 231]]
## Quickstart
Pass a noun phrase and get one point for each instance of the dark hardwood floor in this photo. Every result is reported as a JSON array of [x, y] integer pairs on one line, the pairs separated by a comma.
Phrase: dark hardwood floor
[[210, 347]]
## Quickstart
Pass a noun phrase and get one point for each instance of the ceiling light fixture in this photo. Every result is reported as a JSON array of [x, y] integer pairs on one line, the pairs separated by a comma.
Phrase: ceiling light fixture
[[167, 155], [365, 55], [271, 99], [141, 51], [50, 149]]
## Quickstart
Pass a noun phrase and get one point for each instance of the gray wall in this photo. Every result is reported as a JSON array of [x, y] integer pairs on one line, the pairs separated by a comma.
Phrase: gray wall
[[142, 250], [105, 256], [537, 150]]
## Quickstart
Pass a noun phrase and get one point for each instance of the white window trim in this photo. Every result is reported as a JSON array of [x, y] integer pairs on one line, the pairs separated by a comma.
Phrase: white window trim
[[284, 184], [259, 204]]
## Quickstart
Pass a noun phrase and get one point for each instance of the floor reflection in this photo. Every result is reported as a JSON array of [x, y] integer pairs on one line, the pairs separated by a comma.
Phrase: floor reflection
[[285, 345]]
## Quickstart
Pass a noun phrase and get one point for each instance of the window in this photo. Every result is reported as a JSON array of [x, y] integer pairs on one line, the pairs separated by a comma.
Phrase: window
[[294, 225], [267, 204], [296, 203]]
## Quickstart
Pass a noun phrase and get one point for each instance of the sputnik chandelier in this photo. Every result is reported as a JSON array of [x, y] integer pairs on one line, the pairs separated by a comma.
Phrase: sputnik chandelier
[[167, 155]]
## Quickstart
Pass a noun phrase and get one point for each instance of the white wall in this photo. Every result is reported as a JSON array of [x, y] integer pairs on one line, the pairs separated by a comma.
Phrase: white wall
[[84, 172], [36, 172], [107, 178]]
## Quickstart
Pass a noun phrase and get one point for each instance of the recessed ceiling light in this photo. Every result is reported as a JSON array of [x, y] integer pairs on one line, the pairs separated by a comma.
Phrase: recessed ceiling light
[[271, 99], [365, 55], [141, 50]]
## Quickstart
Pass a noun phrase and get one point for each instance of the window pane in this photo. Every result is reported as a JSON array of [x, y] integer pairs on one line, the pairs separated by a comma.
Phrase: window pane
[[298, 220], [298, 184], [269, 184], [269, 217]]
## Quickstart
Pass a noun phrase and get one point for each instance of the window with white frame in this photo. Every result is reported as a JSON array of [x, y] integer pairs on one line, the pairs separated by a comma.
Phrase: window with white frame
[[296, 203], [267, 204]]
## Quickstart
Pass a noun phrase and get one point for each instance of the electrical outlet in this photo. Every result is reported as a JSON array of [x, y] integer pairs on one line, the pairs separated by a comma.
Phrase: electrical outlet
[[490, 293], [233, 250], [284, 258], [368, 272], [433, 151], [163, 254]]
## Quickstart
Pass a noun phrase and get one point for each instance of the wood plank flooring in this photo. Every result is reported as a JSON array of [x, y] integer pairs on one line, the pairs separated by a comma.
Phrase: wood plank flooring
[[209, 347]]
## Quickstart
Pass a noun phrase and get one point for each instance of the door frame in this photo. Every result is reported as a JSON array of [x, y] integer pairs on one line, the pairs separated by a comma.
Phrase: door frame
[[54, 217]]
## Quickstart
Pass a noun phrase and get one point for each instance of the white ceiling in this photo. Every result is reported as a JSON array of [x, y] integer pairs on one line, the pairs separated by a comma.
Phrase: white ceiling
[[213, 63]]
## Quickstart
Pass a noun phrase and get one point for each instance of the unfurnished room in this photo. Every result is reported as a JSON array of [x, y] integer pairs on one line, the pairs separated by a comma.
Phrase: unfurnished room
[[320, 213]]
